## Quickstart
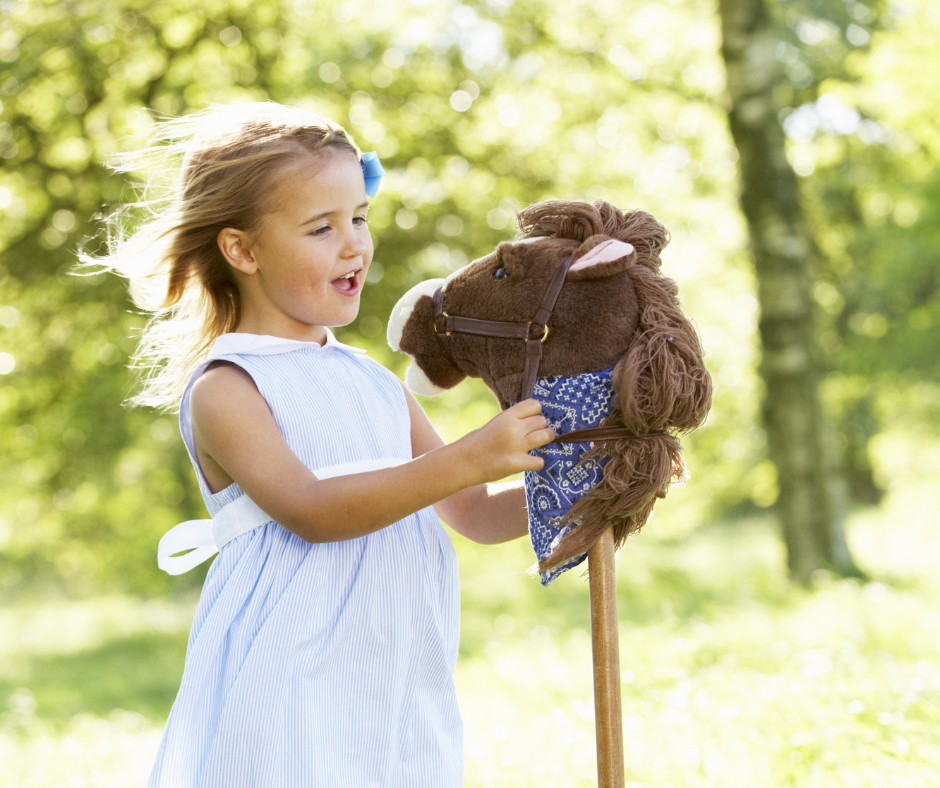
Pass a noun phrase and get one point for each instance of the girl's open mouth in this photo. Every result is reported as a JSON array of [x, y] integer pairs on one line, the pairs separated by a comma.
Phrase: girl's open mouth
[[348, 285]]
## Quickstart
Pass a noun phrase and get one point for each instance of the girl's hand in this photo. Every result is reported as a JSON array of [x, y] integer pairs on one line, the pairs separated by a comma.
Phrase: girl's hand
[[501, 447]]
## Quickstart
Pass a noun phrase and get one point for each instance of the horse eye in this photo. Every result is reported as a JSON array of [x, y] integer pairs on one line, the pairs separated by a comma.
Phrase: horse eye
[[500, 273]]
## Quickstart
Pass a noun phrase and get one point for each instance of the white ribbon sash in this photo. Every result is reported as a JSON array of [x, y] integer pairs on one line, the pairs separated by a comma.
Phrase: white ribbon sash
[[204, 538]]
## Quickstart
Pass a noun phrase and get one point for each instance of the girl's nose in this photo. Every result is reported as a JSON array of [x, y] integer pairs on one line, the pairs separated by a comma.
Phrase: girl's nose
[[356, 243]]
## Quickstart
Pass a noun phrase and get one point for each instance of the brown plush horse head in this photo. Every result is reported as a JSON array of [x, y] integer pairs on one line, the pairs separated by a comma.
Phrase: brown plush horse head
[[619, 313]]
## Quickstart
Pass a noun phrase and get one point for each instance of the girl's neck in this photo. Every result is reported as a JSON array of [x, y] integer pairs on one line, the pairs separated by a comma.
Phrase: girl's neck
[[298, 332]]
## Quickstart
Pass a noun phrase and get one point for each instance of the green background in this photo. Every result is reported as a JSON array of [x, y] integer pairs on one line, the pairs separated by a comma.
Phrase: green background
[[475, 110]]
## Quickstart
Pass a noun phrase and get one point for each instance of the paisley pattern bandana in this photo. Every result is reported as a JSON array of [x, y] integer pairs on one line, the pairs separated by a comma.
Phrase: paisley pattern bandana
[[568, 403]]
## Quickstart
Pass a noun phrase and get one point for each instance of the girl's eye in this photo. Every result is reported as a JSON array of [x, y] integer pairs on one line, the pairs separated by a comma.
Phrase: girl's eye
[[500, 273], [320, 230], [361, 220]]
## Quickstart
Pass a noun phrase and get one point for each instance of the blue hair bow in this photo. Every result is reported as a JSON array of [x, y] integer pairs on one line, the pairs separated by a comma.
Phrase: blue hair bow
[[372, 171]]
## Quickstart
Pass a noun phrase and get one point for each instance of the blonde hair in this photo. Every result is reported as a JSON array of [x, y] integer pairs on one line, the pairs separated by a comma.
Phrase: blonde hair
[[226, 157]]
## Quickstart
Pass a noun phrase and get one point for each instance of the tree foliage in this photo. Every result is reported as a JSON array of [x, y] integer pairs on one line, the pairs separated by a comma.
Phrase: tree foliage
[[474, 108]]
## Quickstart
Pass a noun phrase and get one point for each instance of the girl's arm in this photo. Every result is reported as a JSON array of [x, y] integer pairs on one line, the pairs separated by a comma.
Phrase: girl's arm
[[235, 432], [485, 513]]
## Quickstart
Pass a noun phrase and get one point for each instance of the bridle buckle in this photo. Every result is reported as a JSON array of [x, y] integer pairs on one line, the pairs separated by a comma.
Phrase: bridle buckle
[[501, 328], [541, 338]]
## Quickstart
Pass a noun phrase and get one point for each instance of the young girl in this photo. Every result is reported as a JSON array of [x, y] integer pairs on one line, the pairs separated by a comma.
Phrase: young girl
[[323, 648]]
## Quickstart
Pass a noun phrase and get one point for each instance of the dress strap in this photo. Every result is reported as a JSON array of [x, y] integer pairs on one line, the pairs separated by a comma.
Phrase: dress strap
[[204, 538]]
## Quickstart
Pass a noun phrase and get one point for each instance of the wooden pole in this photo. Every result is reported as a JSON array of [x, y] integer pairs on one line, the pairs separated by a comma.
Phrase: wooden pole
[[608, 718]]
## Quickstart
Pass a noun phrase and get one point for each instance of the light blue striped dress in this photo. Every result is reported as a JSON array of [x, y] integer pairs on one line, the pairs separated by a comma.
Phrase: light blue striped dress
[[320, 664]]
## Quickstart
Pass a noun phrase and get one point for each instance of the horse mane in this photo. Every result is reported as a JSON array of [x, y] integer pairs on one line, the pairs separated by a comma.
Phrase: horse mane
[[661, 386]]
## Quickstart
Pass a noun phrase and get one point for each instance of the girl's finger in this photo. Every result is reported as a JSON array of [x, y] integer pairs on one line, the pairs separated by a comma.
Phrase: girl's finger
[[528, 407], [534, 463], [539, 438], [532, 423]]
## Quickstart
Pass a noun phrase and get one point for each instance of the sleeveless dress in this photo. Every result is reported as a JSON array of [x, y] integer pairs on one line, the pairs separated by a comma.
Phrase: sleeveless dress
[[321, 665]]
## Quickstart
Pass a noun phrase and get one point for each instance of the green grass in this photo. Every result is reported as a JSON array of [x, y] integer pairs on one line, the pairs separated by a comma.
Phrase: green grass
[[731, 677]]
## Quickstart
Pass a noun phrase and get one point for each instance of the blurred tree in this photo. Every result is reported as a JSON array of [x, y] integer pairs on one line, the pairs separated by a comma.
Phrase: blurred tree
[[853, 107], [811, 500], [862, 131]]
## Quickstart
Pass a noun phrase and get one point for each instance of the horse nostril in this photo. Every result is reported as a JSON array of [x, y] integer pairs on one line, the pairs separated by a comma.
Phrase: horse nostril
[[500, 273]]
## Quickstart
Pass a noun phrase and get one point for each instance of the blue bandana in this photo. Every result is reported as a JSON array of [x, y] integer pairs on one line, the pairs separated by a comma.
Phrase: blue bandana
[[372, 171], [568, 403]]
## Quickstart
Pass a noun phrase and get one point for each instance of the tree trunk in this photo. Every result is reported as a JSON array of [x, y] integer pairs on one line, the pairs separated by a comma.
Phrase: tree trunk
[[812, 500]]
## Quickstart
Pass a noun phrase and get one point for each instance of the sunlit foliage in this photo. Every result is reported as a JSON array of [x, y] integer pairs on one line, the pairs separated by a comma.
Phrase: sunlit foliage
[[731, 676], [475, 109]]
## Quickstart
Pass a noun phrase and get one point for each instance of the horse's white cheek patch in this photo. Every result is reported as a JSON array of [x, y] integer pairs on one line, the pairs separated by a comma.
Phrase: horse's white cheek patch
[[405, 306], [419, 383]]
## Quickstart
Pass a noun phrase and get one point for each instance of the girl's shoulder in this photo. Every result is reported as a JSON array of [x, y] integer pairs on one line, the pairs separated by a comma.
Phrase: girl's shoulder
[[272, 365], [217, 382]]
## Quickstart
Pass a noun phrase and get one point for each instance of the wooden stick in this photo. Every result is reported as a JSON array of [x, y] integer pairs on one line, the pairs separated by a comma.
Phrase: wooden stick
[[608, 718]]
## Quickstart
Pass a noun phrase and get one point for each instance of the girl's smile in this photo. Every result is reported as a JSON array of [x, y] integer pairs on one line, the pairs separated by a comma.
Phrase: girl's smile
[[350, 284]]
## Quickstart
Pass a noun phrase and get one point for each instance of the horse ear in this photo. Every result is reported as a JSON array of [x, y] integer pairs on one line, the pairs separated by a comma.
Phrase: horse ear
[[600, 256]]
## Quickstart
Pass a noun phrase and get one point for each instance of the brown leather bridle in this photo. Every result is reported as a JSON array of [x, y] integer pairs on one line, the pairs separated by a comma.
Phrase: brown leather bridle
[[534, 333]]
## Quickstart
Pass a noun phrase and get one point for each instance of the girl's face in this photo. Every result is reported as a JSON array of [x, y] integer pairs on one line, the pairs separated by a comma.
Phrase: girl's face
[[312, 252]]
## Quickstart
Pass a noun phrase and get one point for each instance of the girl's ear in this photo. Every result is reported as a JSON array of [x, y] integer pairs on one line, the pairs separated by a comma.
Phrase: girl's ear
[[235, 247], [600, 256]]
